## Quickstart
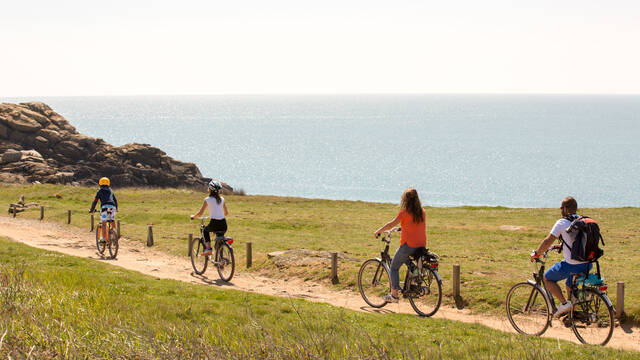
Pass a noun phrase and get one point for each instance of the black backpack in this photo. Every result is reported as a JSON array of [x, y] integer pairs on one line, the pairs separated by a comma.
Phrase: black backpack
[[585, 246]]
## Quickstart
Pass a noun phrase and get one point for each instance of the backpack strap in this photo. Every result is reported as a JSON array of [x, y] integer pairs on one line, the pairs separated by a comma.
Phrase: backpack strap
[[565, 243]]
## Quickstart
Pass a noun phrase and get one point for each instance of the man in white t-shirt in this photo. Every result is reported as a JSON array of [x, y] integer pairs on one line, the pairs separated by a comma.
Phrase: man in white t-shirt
[[568, 267]]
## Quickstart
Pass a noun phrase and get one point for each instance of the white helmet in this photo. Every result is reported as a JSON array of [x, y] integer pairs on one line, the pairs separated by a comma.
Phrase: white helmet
[[214, 185]]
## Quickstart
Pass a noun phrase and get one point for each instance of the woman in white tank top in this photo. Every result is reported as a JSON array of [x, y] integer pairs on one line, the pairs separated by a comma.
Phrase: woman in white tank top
[[217, 212]]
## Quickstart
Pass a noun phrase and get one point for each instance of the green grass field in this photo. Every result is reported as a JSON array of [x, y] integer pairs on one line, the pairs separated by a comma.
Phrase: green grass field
[[57, 306], [492, 260]]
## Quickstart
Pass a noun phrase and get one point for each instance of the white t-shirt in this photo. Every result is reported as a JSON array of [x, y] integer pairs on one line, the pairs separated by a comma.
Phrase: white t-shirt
[[216, 210], [560, 228]]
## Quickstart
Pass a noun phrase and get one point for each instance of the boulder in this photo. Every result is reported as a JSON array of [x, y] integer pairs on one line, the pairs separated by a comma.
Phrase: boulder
[[11, 156], [52, 136], [70, 150], [4, 130], [23, 123]]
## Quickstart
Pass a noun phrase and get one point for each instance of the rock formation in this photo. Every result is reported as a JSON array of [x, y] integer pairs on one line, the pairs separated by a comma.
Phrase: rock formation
[[39, 145]]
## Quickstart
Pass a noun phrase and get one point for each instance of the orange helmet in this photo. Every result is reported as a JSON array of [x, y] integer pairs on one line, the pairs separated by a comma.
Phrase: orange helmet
[[104, 181]]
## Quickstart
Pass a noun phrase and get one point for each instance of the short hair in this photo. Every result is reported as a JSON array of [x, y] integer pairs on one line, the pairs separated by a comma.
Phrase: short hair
[[571, 204]]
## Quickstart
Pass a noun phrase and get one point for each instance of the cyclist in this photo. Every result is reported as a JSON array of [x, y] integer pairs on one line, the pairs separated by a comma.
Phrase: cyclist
[[217, 212], [568, 267], [413, 237], [108, 205]]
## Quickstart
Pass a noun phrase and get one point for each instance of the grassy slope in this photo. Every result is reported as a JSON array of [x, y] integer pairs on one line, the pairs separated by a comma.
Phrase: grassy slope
[[59, 306], [491, 259]]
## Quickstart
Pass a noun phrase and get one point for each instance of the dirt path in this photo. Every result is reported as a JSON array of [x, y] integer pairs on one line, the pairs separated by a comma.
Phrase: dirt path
[[135, 256]]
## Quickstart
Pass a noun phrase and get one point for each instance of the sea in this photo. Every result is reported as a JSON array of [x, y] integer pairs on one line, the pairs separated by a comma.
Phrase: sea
[[478, 150]]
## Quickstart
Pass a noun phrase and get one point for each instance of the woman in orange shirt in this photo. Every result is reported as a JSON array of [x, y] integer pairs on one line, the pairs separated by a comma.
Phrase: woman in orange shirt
[[413, 236]]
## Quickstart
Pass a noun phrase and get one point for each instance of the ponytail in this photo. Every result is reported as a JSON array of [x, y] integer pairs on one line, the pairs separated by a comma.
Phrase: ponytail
[[215, 195]]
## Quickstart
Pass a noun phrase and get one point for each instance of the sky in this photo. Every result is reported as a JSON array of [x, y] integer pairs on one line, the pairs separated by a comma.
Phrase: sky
[[78, 48]]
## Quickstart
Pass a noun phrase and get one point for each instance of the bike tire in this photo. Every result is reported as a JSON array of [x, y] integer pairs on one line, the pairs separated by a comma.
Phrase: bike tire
[[225, 262], [592, 319], [428, 302], [528, 309], [114, 243], [374, 282], [101, 247], [198, 262]]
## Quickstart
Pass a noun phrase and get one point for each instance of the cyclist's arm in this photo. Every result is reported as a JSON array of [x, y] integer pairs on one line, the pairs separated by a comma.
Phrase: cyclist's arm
[[204, 206], [544, 245], [388, 226], [224, 209], [95, 201], [115, 201]]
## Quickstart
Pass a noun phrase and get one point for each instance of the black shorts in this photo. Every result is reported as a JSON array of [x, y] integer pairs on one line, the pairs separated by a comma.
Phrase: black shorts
[[216, 226]]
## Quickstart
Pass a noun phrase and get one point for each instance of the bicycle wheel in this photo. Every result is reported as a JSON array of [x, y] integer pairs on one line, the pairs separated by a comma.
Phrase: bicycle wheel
[[528, 309], [592, 318], [101, 246], [427, 298], [225, 262], [374, 283], [114, 243], [198, 262]]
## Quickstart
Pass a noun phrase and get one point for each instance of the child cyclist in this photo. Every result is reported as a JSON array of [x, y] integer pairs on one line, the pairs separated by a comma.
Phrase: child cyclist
[[413, 236], [217, 212], [108, 205]]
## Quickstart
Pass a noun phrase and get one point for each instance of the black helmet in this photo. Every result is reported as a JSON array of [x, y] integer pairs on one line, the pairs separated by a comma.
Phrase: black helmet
[[214, 185]]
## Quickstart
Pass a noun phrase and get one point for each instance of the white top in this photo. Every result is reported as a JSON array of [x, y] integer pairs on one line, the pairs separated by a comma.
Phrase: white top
[[560, 228], [215, 210]]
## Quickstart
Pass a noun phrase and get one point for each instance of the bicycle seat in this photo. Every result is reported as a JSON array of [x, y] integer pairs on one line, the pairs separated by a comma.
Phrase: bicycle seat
[[222, 237]]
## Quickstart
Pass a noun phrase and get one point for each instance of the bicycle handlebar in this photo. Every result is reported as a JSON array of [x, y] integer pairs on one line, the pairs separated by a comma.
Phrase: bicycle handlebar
[[386, 238]]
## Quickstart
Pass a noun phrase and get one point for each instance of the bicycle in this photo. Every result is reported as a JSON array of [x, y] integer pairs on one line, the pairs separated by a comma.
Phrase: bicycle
[[111, 241], [422, 285], [530, 306], [223, 258]]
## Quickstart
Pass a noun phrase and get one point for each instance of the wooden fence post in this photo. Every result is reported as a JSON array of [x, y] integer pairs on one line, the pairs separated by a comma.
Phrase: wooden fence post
[[249, 259], [620, 300], [456, 286], [150, 236], [190, 245], [118, 228], [334, 267], [68, 216], [41, 212], [91, 223]]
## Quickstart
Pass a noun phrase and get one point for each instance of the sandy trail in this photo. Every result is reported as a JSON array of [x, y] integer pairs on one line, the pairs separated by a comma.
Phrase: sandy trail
[[134, 256]]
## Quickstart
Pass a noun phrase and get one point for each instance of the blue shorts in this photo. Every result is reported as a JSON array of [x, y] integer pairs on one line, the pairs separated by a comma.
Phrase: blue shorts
[[563, 270]]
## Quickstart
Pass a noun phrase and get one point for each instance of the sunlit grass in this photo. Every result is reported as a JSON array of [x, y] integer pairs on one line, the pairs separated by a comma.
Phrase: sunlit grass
[[491, 259]]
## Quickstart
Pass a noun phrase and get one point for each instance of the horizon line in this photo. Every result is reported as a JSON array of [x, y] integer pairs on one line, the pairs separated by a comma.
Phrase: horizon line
[[331, 94]]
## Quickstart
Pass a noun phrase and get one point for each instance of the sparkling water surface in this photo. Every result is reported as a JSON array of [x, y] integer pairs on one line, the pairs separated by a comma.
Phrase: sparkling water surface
[[509, 150]]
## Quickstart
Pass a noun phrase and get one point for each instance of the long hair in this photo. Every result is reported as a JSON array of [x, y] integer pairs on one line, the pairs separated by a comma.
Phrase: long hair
[[411, 202], [215, 195]]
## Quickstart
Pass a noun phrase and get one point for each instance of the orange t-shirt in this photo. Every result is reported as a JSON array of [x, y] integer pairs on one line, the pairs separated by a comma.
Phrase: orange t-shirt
[[414, 235]]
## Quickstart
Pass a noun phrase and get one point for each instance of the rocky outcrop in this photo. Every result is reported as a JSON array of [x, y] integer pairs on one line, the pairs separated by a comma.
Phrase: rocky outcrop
[[38, 144]]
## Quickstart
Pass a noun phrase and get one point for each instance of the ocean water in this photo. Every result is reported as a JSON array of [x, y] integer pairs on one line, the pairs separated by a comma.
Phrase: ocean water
[[508, 150]]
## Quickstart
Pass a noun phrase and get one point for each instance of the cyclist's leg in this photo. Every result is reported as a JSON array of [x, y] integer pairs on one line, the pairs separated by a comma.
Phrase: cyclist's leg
[[401, 257], [103, 222], [573, 271], [559, 271], [207, 237]]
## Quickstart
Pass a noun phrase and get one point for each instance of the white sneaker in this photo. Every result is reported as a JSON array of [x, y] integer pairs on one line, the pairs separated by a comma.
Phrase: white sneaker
[[563, 308], [390, 298]]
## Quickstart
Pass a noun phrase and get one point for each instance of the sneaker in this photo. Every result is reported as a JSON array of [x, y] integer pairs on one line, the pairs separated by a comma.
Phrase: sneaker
[[563, 308], [390, 298], [103, 241], [206, 252]]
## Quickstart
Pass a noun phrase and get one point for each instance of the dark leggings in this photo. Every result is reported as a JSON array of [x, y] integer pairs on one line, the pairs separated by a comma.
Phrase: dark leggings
[[216, 226]]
